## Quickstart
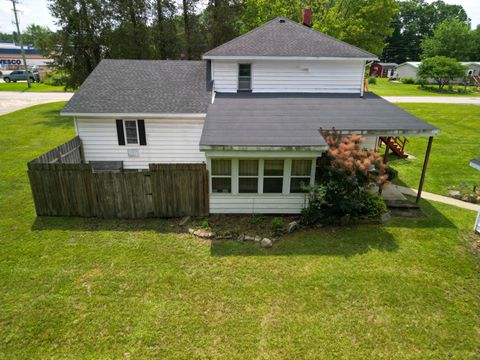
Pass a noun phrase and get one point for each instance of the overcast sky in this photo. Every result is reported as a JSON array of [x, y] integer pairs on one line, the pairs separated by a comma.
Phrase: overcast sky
[[35, 11]]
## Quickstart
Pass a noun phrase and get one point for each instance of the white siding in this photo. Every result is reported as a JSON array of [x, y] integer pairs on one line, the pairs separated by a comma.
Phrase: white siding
[[256, 203], [168, 141], [370, 142], [293, 76], [406, 71]]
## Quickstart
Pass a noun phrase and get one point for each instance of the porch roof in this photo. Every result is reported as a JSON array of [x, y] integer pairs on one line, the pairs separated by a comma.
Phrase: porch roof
[[294, 119]]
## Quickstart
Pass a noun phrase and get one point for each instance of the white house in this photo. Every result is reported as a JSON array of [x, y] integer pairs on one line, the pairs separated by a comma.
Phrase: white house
[[251, 111], [409, 69]]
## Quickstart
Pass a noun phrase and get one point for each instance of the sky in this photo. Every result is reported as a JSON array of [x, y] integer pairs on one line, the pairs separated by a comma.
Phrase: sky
[[36, 11]]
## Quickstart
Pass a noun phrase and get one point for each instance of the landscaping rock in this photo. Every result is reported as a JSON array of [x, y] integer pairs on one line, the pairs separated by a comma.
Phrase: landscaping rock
[[191, 231], [184, 221], [385, 217], [292, 226], [258, 239], [249, 238], [241, 238], [266, 243], [454, 193], [204, 234]]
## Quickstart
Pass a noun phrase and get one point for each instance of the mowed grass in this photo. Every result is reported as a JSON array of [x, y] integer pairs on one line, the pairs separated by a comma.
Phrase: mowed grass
[[457, 143], [389, 88], [36, 87], [85, 288]]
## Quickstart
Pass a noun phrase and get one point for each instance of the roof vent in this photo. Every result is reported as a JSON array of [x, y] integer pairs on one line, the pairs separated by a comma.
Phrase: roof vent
[[281, 21]]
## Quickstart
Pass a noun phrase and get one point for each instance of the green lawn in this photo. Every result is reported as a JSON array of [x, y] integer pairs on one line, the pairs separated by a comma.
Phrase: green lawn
[[36, 87], [83, 288], [388, 88], [457, 143]]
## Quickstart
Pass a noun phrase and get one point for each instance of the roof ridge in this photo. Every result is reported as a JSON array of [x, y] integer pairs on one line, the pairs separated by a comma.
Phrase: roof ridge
[[330, 37], [243, 35]]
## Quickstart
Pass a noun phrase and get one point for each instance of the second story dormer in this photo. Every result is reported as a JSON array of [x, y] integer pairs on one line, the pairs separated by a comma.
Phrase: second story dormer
[[284, 56]]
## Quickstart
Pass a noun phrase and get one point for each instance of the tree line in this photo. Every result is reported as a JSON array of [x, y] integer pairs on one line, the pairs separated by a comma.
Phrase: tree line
[[90, 30]]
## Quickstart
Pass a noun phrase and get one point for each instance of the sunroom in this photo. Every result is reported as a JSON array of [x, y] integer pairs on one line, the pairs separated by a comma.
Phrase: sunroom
[[262, 149]]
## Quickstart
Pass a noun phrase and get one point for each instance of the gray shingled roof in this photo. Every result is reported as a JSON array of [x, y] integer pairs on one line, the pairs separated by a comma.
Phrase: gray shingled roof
[[283, 37], [294, 120], [143, 86]]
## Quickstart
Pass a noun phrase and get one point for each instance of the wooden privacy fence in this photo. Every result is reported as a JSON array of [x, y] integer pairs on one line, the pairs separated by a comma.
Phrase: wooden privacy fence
[[74, 189]]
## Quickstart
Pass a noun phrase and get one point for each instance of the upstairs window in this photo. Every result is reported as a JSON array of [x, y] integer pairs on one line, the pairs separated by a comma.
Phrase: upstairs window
[[244, 77], [221, 175], [131, 132]]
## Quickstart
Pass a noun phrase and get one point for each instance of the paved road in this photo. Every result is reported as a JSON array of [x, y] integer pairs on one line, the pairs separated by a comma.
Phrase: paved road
[[13, 101], [434, 99]]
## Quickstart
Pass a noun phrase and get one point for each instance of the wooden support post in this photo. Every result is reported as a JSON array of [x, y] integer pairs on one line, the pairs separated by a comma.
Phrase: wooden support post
[[385, 161], [424, 170]]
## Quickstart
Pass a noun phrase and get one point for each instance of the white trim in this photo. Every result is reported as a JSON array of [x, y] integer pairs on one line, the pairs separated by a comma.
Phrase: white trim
[[76, 125], [125, 132], [136, 115], [234, 176], [362, 83], [266, 155], [284, 58]]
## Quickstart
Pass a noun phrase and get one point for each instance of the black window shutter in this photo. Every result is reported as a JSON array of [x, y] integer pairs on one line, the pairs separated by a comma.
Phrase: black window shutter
[[120, 134], [141, 132]]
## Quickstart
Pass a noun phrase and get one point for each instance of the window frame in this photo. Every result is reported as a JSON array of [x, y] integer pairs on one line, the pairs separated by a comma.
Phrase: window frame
[[221, 176], [283, 176], [238, 77], [300, 176], [125, 132], [249, 176]]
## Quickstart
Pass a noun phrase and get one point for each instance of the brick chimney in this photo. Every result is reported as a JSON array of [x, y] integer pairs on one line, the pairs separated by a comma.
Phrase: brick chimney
[[307, 17]]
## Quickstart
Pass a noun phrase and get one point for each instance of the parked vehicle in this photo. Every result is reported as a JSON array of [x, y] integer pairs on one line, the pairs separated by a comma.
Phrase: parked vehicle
[[19, 75]]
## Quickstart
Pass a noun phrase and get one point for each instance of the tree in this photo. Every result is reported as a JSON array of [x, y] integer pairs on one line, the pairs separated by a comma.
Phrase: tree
[[78, 46], [441, 69], [452, 38], [415, 20], [130, 35], [38, 36], [193, 32], [364, 23], [221, 21], [164, 29]]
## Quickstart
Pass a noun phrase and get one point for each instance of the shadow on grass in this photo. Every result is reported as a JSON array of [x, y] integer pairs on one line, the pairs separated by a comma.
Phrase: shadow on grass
[[43, 223], [55, 120], [331, 241]]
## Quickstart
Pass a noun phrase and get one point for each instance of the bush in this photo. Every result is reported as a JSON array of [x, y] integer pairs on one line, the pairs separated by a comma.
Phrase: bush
[[372, 80], [408, 81], [421, 82], [391, 173], [277, 225], [373, 205], [55, 78], [441, 69], [204, 224]]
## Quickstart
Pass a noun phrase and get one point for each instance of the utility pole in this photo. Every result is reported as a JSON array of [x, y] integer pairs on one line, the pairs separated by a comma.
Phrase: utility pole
[[14, 3]]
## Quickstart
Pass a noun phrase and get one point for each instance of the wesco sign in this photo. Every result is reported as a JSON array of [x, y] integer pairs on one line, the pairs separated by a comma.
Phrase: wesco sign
[[10, 62]]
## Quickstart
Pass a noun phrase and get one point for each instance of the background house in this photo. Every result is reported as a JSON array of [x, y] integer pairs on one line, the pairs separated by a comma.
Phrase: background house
[[409, 69], [382, 70]]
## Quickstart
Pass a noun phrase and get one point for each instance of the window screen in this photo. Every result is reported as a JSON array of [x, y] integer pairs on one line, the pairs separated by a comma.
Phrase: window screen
[[244, 77], [273, 176], [248, 176], [131, 133], [221, 175], [300, 175]]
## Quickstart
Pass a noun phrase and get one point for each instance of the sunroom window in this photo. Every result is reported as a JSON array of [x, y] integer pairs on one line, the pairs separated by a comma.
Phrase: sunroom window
[[300, 175], [248, 176], [221, 175], [273, 176]]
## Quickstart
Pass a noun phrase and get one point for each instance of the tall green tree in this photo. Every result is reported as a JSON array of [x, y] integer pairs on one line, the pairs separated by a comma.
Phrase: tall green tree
[[364, 23], [192, 33], [78, 46], [416, 20], [452, 38], [164, 29], [443, 70], [130, 34], [222, 21], [38, 36]]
